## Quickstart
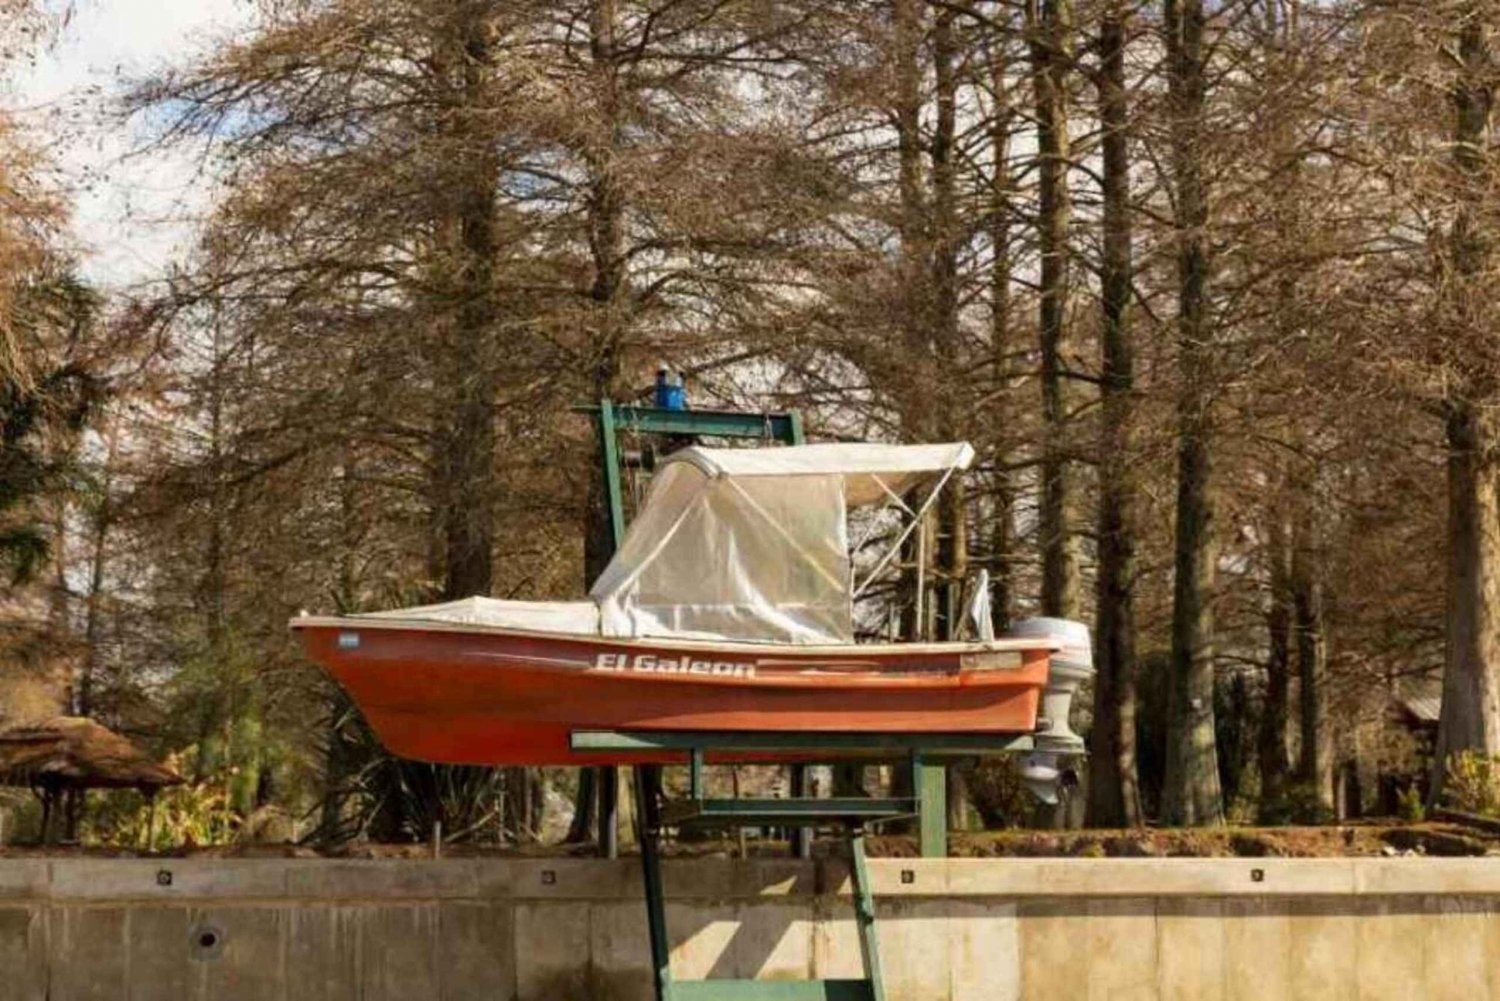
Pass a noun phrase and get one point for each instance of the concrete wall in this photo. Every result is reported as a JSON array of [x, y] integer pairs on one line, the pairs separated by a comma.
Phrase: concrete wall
[[960, 929]]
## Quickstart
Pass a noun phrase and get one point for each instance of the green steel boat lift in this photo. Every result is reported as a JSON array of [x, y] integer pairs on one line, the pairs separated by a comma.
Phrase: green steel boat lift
[[611, 421], [855, 815], [798, 811]]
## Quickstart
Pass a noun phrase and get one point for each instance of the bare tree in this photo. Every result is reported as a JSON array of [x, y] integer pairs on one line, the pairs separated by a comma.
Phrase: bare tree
[[1114, 794], [1049, 26], [1471, 679], [1191, 793]]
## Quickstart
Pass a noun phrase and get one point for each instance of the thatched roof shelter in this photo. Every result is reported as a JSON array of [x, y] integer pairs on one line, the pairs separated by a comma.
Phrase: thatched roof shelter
[[1421, 709], [72, 752]]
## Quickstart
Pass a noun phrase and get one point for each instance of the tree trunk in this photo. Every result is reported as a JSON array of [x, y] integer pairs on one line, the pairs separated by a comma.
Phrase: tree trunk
[[916, 306], [608, 290], [1191, 793], [952, 530], [1048, 25], [93, 627], [212, 595], [1271, 738], [1307, 604], [1114, 791], [466, 433], [1290, 560], [469, 359], [1470, 717], [608, 293], [1002, 520]]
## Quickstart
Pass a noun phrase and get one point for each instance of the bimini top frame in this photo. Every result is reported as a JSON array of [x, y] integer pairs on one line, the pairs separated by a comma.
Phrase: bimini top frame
[[753, 544]]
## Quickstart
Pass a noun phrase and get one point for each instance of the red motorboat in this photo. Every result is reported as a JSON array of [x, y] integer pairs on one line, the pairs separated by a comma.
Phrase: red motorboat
[[730, 605]]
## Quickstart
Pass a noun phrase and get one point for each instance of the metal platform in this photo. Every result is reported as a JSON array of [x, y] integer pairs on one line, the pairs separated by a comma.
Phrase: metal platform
[[854, 814], [825, 745]]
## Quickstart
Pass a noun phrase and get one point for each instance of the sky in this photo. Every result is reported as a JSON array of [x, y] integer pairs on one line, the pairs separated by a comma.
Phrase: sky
[[132, 214]]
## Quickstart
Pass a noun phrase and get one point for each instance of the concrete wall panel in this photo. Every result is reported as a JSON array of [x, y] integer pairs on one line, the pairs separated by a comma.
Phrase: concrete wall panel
[[476, 952], [1121, 947], [984, 958], [246, 960], [1390, 947], [1054, 960], [1190, 949], [773, 940], [159, 954], [1324, 933], [323, 957], [552, 949], [23, 954], [575, 930], [398, 952], [87, 954], [1257, 949]]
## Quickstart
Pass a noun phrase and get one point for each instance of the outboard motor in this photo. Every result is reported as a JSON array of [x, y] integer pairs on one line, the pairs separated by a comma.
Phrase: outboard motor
[[1042, 769]]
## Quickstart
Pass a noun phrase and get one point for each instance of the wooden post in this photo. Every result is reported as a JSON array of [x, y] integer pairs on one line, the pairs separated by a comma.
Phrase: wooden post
[[151, 800], [48, 794]]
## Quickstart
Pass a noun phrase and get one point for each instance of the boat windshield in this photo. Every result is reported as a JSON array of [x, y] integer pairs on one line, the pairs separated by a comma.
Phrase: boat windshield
[[753, 544]]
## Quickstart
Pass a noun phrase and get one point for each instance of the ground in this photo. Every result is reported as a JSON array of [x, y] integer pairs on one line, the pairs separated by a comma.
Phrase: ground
[[1364, 838]]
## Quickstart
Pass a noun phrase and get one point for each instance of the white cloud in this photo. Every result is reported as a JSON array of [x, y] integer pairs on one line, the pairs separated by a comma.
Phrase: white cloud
[[131, 214]]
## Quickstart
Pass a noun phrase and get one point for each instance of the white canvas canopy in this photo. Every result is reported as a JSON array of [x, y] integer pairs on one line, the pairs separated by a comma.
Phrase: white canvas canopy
[[535, 616], [753, 544]]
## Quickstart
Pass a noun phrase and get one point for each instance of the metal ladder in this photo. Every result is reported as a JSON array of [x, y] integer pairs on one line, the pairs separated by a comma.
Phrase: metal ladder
[[854, 814]]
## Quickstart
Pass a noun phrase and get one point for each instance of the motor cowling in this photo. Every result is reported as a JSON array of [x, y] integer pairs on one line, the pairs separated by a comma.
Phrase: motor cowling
[[1044, 770]]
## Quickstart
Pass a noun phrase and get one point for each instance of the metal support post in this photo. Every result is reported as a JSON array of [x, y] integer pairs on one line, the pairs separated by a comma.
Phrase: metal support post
[[802, 837], [649, 817], [609, 460], [695, 773], [609, 811], [929, 780], [864, 913]]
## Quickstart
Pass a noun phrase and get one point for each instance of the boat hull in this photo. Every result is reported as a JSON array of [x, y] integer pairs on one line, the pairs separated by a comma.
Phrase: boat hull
[[496, 697]]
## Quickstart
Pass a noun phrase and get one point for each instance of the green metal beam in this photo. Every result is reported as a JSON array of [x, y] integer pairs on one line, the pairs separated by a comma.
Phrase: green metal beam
[[609, 458], [612, 418], [772, 990], [747, 812], [784, 427], [864, 914]]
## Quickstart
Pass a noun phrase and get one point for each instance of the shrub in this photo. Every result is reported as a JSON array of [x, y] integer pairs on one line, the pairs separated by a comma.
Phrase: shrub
[[1471, 783], [1409, 805], [1300, 803]]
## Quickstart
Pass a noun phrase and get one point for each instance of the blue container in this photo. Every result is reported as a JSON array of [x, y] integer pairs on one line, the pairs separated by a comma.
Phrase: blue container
[[670, 395]]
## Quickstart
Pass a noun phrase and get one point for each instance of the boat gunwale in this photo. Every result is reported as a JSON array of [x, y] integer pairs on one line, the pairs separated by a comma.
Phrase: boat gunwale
[[1019, 643]]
